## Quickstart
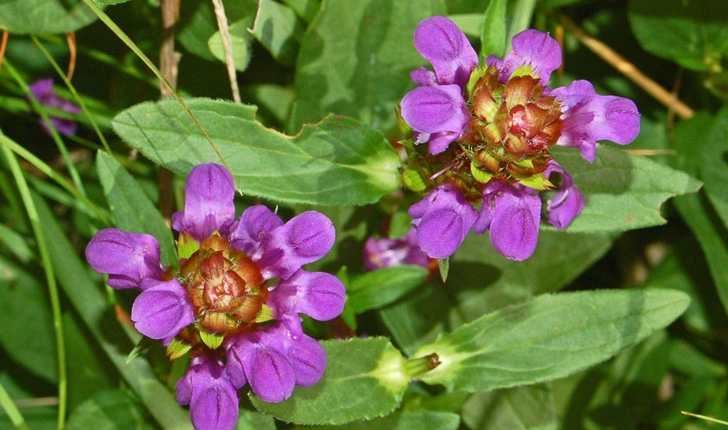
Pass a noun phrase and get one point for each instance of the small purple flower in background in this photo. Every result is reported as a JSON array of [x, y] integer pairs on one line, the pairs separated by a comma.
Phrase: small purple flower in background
[[489, 130], [45, 94], [385, 252], [234, 304]]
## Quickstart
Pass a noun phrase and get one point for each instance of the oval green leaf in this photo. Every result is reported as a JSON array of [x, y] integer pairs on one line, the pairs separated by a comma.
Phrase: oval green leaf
[[336, 162], [549, 337]]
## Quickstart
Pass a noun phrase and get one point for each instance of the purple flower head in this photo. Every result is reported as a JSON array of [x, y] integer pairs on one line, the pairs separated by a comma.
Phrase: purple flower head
[[384, 252], [442, 220], [45, 94], [213, 399], [235, 302], [490, 129]]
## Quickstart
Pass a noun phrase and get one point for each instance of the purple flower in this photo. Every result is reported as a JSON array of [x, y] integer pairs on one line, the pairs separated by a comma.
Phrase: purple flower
[[213, 399], [442, 220], [236, 300], [589, 117], [384, 252], [490, 129], [513, 217], [45, 94]]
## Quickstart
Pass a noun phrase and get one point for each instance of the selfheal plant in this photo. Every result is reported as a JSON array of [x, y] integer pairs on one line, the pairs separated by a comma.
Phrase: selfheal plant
[[234, 302], [489, 130], [43, 91]]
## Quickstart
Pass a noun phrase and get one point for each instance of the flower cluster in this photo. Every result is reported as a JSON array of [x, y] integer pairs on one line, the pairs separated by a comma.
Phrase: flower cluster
[[45, 94], [489, 131], [235, 300]]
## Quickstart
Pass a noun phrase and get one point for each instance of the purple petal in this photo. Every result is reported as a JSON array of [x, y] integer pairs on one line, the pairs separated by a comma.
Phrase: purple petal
[[319, 295], [436, 109], [589, 117], [255, 224], [308, 360], [216, 407], [212, 398], [270, 375], [423, 77], [442, 220], [162, 309], [42, 88], [514, 220], [534, 48], [304, 239], [568, 201], [127, 258], [209, 207], [444, 45]]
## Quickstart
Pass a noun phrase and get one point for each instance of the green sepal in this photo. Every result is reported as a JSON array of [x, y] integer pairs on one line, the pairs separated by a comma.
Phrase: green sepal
[[144, 344], [480, 175], [537, 182], [414, 180], [265, 314], [524, 70], [186, 245], [212, 340], [177, 348], [444, 265]]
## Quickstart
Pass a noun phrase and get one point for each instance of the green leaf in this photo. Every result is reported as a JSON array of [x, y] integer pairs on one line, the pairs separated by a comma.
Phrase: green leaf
[[44, 16], [368, 82], [701, 216], [305, 9], [240, 39], [89, 301], [198, 23], [108, 410], [278, 29], [404, 420], [520, 408], [376, 289], [693, 34], [481, 280], [493, 34], [132, 209], [621, 191], [25, 313], [548, 337], [336, 162], [365, 378]]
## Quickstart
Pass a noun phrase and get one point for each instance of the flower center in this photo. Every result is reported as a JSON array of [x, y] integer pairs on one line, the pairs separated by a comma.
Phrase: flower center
[[224, 285], [513, 126]]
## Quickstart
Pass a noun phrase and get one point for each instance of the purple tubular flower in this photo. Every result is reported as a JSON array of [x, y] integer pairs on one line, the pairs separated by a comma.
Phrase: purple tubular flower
[[305, 238], [436, 109], [261, 358], [255, 224], [317, 294], [444, 45], [513, 217], [533, 48], [442, 220], [128, 258], [589, 117], [384, 252], [567, 203], [212, 397], [209, 207], [45, 94], [162, 309]]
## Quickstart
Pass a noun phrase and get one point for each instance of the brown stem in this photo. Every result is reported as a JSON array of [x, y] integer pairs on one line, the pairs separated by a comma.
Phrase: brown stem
[[628, 69], [168, 67]]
